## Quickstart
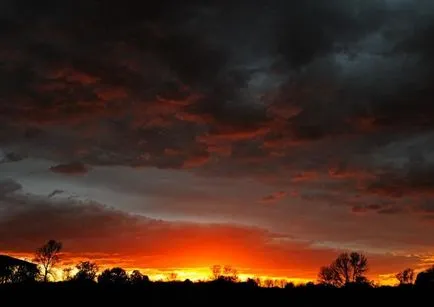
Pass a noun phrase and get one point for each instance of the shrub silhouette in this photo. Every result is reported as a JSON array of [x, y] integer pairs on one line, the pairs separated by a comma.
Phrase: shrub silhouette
[[87, 272], [405, 277], [137, 278], [114, 276], [425, 279]]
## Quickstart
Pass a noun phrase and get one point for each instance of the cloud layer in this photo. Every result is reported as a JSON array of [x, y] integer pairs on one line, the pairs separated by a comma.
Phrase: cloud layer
[[93, 231]]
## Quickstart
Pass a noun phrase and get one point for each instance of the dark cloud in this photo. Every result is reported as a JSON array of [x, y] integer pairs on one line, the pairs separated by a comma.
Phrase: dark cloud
[[8, 186], [312, 29], [329, 98], [416, 180], [9, 157]]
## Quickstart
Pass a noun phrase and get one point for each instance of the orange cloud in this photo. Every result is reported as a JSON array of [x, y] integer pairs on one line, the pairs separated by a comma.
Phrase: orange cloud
[[112, 238]]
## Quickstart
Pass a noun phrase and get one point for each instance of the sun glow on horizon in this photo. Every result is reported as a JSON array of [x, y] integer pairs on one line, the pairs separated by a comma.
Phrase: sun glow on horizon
[[194, 274]]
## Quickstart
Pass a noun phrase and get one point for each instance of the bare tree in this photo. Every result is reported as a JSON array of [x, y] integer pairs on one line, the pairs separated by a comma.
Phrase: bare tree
[[48, 256], [216, 271], [358, 265], [405, 277], [230, 273], [329, 276], [347, 268], [66, 274], [227, 273]]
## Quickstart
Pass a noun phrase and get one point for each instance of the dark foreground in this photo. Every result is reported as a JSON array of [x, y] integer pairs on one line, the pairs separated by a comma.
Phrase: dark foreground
[[207, 294]]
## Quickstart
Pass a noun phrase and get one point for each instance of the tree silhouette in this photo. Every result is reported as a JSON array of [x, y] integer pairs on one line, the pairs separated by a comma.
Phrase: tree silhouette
[[329, 276], [269, 283], [48, 256], [226, 273], [114, 276], [252, 282], [230, 273], [14, 270], [87, 271], [347, 268], [425, 279], [24, 274], [137, 278], [216, 271], [405, 277], [66, 274]]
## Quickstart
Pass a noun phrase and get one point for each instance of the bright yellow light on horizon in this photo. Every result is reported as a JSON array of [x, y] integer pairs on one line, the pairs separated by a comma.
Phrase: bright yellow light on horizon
[[197, 273]]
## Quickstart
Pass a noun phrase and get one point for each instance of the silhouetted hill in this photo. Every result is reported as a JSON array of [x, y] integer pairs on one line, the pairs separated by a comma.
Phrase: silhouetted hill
[[11, 261], [13, 270]]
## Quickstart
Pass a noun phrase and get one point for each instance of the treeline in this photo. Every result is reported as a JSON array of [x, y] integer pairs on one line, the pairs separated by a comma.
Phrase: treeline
[[348, 270]]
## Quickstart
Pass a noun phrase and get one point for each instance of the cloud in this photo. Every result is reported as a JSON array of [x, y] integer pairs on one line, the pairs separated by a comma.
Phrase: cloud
[[73, 168], [111, 100], [274, 197], [304, 38], [305, 176], [8, 186], [378, 208], [92, 230], [196, 161], [417, 180], [9, 157]]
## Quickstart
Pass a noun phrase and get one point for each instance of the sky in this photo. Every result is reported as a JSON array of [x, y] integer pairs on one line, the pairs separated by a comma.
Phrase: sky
[[174, 135]]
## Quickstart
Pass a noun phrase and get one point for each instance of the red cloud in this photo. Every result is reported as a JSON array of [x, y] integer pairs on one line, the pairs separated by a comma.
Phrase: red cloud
[[111, 93], [74, 168], [364, 124], [172, 152], [337, 173], [281, 142], [72, 75], [220, 149], [233, 134], [195, 118], [305, 176], [196, 161]]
